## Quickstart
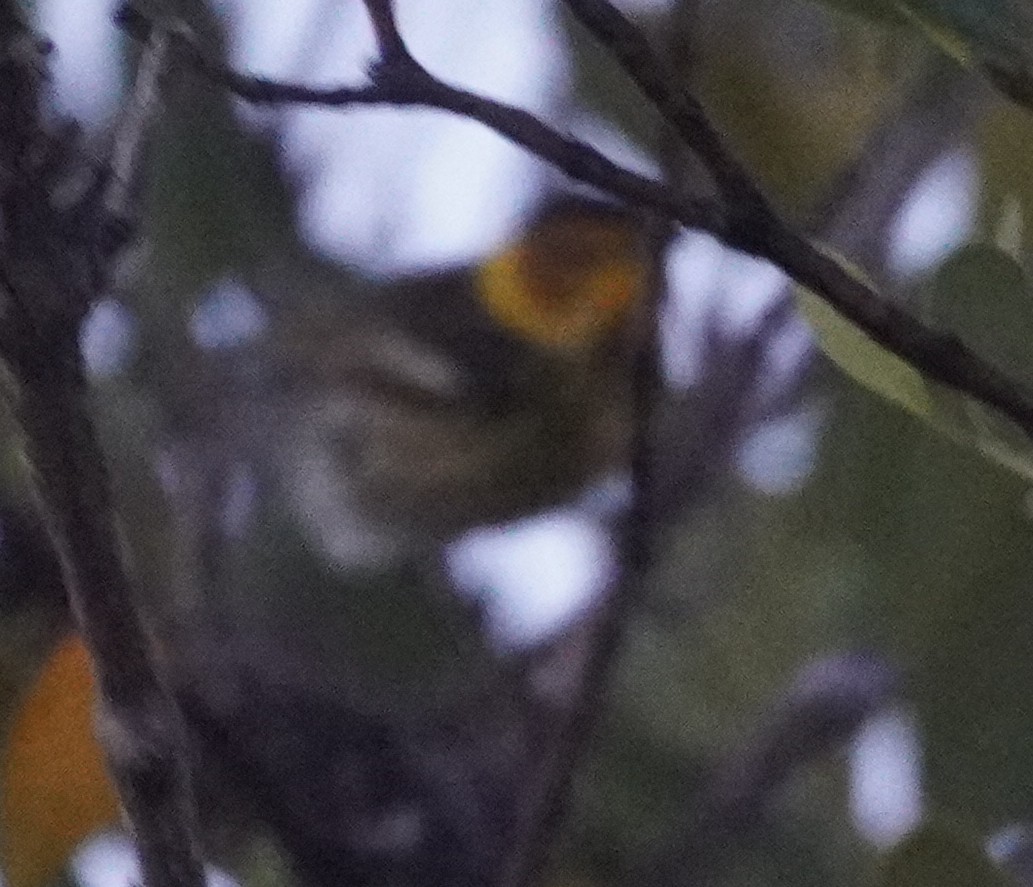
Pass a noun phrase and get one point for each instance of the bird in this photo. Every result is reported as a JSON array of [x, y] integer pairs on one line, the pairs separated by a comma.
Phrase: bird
[[414, 410], [404, 412]]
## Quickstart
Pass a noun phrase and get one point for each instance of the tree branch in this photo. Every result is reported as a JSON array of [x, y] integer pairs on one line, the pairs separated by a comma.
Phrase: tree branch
[[54, 259], [408, 84], [392, 47], [824, 706], [678, 108], [745, 223]]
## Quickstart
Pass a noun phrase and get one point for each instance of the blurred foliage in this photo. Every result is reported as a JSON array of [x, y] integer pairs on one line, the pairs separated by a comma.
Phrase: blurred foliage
[[58, 712], [938, 856], [990, 36], [902, 541], [982, 295]]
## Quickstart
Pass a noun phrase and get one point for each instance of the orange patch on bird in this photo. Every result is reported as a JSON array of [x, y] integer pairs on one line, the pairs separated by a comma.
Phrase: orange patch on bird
[[55, 790], [567, 284]]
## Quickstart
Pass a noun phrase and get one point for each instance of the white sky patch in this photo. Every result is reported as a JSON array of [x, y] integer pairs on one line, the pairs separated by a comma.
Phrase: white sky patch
[[778, 457], [275, 39], [693, 269], [86, 69], [534, 577], [886, 777], [746, 288], [107, 337], [602, 135], [792, 346], [229, 315], [109, 860], [938, 217], [398, 189], [713, 287], [711, 284]]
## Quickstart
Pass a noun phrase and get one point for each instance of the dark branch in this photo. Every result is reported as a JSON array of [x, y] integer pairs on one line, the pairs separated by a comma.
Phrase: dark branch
[[824, 707], [55, 256], [411, 85], [389, 39], [942, 358], [681, 110]]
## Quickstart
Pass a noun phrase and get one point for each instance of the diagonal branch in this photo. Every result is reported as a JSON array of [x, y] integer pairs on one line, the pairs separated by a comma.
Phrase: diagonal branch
[[680, 109], [754, 228], [405, 83], [54, 258], [746, 224]]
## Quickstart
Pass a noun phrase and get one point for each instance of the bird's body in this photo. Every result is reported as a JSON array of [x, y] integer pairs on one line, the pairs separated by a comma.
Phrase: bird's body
[[401, 415], [467, 396]]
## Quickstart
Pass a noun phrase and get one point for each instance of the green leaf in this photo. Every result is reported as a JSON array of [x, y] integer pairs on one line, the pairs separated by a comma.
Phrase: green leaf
[[1009, 230], [978, 295], [981, 295], [936, 856], [866, 361]]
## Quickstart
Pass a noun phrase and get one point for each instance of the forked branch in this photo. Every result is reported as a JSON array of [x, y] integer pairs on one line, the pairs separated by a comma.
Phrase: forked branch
[[742, 218]]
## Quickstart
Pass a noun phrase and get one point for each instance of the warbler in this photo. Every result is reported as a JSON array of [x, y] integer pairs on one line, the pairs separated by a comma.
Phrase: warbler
[[406, 412], [466, 396]]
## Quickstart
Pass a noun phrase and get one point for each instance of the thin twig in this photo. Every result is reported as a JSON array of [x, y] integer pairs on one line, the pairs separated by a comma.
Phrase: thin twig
[[389, 39], [128, 145], [51, 265], [823, 708], [411, 85], [941, 357], [546, 800], [603, 636]]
